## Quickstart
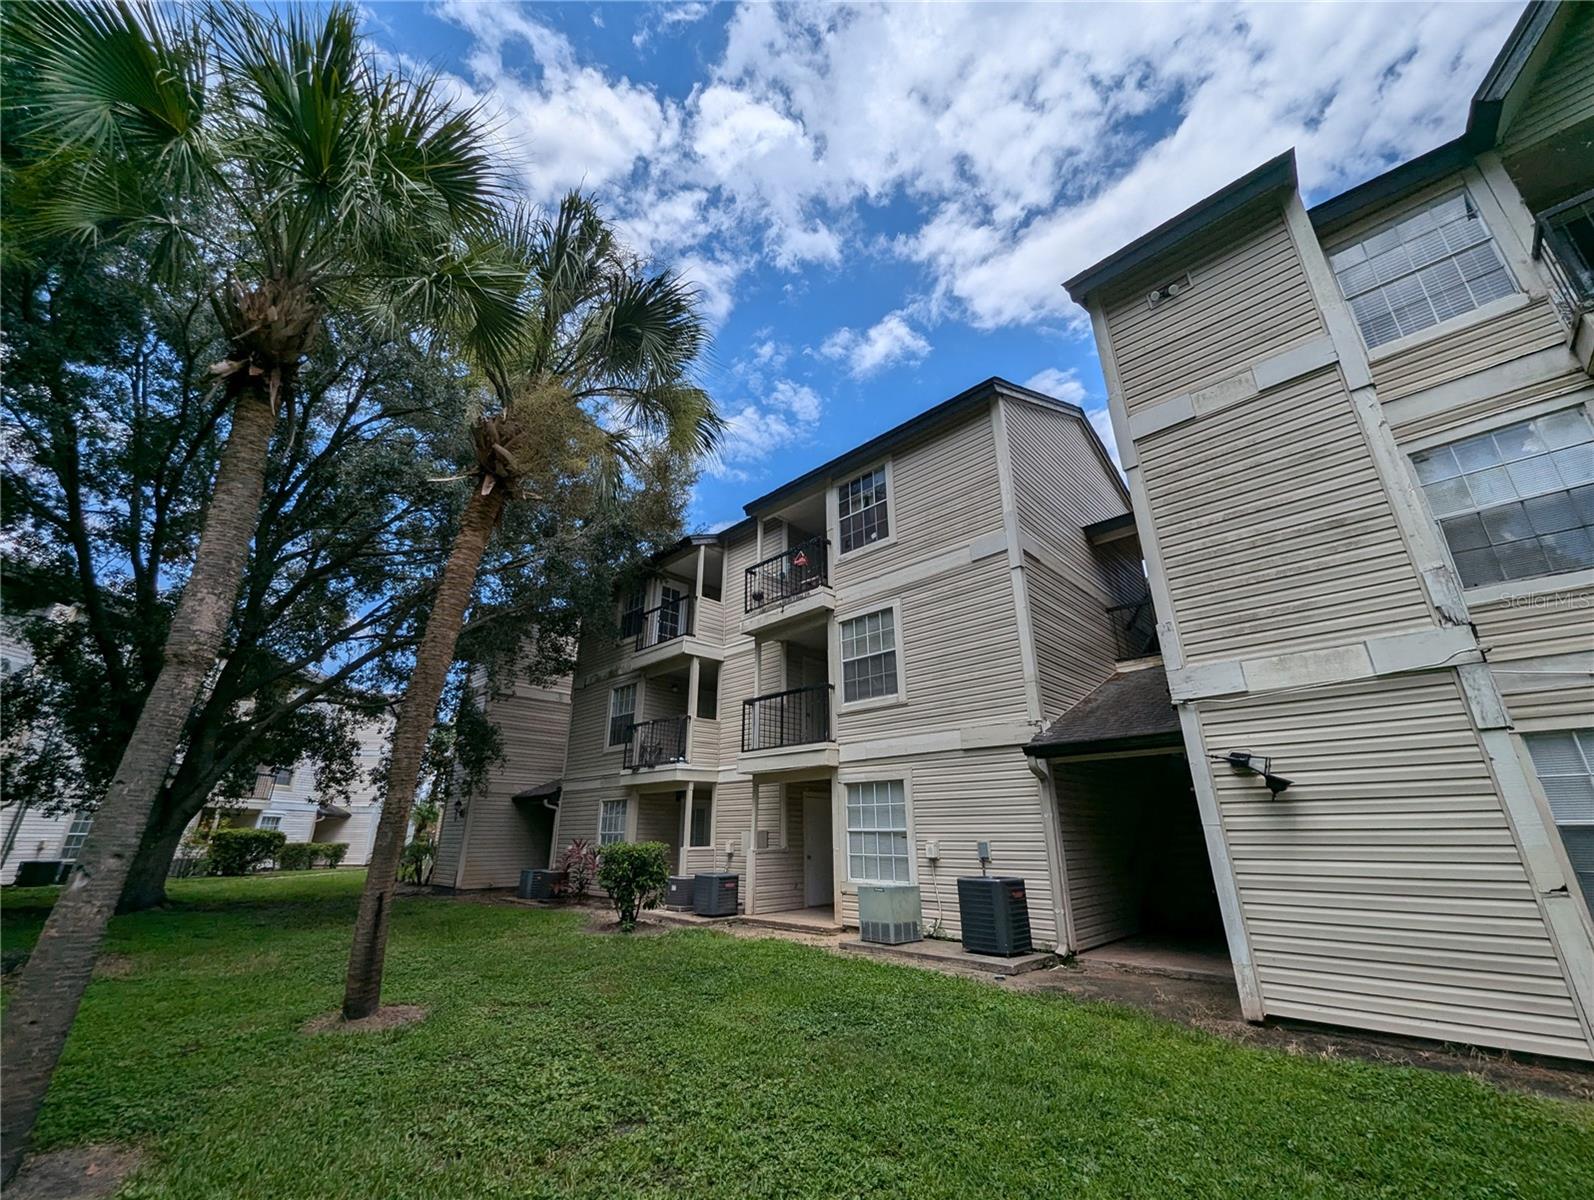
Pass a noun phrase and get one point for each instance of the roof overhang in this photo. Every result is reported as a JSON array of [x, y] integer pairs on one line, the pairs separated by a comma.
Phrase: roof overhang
[[544, 791], [1277, 175], [1113, 529], [325, 811], [1170, 743]]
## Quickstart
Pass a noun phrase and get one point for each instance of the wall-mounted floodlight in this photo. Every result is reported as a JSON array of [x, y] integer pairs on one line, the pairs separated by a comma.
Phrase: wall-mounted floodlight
[[1255, 764]]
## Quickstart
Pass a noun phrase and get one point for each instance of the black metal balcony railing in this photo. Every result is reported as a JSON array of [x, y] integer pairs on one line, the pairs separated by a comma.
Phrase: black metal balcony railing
[[668, 621], [1563, 240], [787, 575], [790, 718], [1134, 629], [656, 743]]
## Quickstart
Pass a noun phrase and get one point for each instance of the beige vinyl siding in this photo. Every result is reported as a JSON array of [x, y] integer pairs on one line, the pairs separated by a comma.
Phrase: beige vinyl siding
[[1248, 299], [1563, 93], [1385, 888], [780, 872], [1276, 532], [958, 655], [1542, 651], [1468, 350], [944, 493], [1099, 831], [1059, 484], [658, 819], [959, 799], [1423, 425], [39, 836], [1073, 642]]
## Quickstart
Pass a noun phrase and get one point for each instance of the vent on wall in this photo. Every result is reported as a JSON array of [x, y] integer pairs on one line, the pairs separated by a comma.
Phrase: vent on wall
[[1171, 290]]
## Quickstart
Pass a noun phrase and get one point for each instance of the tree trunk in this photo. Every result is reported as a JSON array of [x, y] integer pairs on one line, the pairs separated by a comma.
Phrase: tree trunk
[[146, 876], [362, 993], [51, 987]]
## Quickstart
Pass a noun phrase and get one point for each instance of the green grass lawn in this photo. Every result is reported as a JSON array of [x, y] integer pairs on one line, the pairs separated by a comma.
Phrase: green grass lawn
[[561, 1063]]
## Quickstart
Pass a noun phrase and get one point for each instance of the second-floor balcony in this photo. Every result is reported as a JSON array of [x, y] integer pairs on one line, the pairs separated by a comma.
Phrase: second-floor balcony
[[657, 743], [1134, 629], [789, 730], [1563, 240], [680, 626], [787, 588]]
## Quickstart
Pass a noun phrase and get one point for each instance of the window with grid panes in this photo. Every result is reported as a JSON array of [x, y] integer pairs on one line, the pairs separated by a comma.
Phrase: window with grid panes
[[611, 823], [1428, 267], [76, 834], [1517, 502], [863, 509], [622, 713], [877, 832], [869, 656], [1564, 763], [271, 821]]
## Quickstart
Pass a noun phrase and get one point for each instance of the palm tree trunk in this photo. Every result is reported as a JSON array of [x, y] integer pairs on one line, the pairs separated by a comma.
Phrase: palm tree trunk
[[362, 993], [46, 1000]]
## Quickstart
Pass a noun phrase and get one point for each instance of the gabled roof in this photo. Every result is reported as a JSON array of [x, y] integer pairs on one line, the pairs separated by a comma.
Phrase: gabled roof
[[915, 427], [1131, 711]]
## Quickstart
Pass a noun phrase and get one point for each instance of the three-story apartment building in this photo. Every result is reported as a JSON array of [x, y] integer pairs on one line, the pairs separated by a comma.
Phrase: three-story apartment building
[[1360, 444], [834, 690]]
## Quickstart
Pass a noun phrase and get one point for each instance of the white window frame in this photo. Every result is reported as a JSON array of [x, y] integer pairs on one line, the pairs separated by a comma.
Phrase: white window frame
[[833, 509], [1492, 219], [276, 818], [1549, 811], [696, 797], [70, 853], [609, 714], [604, 809], [1527, 585], [277, 779], [844, 824], [842, 704]]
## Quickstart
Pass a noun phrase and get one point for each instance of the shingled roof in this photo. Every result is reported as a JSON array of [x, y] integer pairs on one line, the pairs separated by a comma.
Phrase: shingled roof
[[1131, 711]]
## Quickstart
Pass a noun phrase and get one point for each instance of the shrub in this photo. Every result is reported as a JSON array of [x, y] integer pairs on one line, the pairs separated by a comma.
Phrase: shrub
[[580, 864], [331, 853], [635, 875], [240, 851], [416, 865], [296, 856]]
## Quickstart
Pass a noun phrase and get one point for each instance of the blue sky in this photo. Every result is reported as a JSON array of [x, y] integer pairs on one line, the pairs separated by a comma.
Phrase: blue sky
[[879, 203]]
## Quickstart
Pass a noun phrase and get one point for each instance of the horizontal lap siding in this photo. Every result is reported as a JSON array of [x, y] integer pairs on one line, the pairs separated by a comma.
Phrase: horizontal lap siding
[[1563, 93], [1073, 642], [1384, 888], [959, 654], [1059, 485], [534, 725], [658, 819], [960, 799], [1467, 351], [780, 869], [1542, 651], [1249, 299], [1098, 831], [1276, 533], [944, 493], [1422, 425]]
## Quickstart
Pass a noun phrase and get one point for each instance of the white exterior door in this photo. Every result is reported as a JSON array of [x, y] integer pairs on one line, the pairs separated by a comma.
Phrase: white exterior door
[[818, 851]]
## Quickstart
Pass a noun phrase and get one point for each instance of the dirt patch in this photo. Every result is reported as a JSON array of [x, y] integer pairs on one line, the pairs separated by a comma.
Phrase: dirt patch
[[75, 1173], [390, 1016], [113, 966]]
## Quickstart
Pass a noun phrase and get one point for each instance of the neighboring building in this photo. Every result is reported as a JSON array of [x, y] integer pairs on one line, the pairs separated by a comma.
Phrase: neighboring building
[[1360, 442], [286, 800], [836, 689], [486, 840]]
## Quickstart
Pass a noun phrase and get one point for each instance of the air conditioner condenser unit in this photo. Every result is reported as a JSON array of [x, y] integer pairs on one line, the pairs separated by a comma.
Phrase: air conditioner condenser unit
[[889, 913]]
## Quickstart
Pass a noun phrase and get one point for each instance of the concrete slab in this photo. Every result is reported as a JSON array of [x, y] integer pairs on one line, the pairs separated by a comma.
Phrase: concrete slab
[[940, 952], [1170, 959]]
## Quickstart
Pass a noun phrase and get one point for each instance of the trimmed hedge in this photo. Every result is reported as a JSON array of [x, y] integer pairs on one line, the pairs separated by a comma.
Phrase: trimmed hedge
[[301, 856], [331, 853], [240, 851], [635, 875]]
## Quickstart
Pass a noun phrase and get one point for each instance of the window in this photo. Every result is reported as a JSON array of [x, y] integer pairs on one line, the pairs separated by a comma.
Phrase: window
[[622, 707], [702, 819], [1518, 502], [1565, 766], [863, 510], [283, 778], [877, 832], [1437, 263], [631, 614], [869, 656], [611, 823], [270, 821], [76, 834]]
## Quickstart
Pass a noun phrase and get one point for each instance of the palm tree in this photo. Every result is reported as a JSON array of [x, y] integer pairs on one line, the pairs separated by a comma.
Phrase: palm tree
[[268, 152], [600, 373]]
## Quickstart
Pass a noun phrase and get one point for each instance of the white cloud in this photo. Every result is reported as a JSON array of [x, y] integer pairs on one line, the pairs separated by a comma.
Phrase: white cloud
[[788, 416], [664, 17], [1101, 421], [1059, 384], [889, 341]]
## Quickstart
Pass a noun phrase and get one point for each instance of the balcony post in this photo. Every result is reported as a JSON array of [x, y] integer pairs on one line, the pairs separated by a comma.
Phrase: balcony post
[[694, 674], [686, 823], [752, 855], [697, 594]]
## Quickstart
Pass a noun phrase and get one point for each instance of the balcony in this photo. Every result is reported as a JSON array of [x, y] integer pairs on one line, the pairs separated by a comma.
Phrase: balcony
[[660, 751], [787, 732], [671, 631], [1134, 629], [788, 588], [1563, 240]]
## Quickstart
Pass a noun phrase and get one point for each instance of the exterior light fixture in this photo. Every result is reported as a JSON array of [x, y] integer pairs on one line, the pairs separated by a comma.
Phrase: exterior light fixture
[[1255, 764]]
